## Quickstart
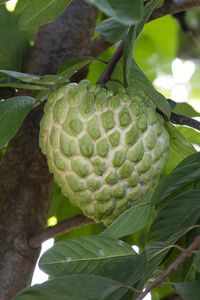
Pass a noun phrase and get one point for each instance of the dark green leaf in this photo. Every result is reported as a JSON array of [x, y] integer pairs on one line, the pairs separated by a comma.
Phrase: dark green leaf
[[197, 261], [172, 103], [186, 109], [3, 1], [155, 254], [127, 12], [127, 270], [73, 287], [158, 99], [181, 212], [111, 30], [82, 255], [128, 52], [37, 12], [131, 220], [174, 181], [149, 7], [192, 159], [14, 50], [8, 20], [188, 290], [12, 113], [70, 67], [178, 142]]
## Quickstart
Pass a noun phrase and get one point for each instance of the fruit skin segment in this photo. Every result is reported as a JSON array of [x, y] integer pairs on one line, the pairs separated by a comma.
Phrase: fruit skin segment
[[105, 150]]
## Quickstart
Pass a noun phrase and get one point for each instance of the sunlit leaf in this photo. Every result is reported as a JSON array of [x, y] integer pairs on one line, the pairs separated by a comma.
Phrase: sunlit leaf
[[37, 12], [178, 142], [186, 109]]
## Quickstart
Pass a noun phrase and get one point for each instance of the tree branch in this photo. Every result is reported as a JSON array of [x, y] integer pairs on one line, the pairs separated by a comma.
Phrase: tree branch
[[172, 268], [105, 76], [172, 7], [184, 120], [35, 240]]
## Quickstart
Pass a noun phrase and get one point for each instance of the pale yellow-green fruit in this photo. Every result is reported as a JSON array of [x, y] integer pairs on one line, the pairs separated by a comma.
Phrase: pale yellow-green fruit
[[105, 150]]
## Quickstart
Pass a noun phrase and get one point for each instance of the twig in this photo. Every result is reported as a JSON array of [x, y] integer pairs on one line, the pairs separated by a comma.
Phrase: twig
[[131, 289], [105, 76], [36, 239], [173, 267], [184, 120]]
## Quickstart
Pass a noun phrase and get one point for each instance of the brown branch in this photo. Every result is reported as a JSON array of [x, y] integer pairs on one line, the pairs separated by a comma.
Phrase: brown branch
[[105, 76], [184, 120], [172, 268], [172, 7], [36, 239]]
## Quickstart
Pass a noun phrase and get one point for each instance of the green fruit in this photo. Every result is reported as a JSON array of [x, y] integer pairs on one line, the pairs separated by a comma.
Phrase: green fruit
[[105, 150]]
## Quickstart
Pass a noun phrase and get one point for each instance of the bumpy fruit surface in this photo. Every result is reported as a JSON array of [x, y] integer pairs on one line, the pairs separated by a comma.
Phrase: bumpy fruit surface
[[105, 150]]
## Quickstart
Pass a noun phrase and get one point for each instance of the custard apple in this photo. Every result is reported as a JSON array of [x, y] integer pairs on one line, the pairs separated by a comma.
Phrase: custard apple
[[105, 150]]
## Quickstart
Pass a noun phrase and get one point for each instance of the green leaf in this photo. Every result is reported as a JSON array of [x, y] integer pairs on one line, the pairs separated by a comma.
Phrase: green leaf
[[126, 269], [137, 77], [131, 220], [155, 254], [176, 180], [82, 255], [20, 6], [37, 12], [158, 99], [14, 50], [73, 287], [186, 109], [128, 52], [23, 85], [181, 212], [70, 67], [188, 290], [30, 81], [127, 12], [3, 1], [111, 30], [197, 261], [178, 142], [149, 7], [190, 134], [194, 158], [12, 113]]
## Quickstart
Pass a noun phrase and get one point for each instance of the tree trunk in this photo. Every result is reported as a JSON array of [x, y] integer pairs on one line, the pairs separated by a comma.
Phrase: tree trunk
[[26, 185]]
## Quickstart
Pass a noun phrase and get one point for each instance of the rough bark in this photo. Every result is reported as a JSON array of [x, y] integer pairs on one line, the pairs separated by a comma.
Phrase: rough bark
[[26, 184]]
